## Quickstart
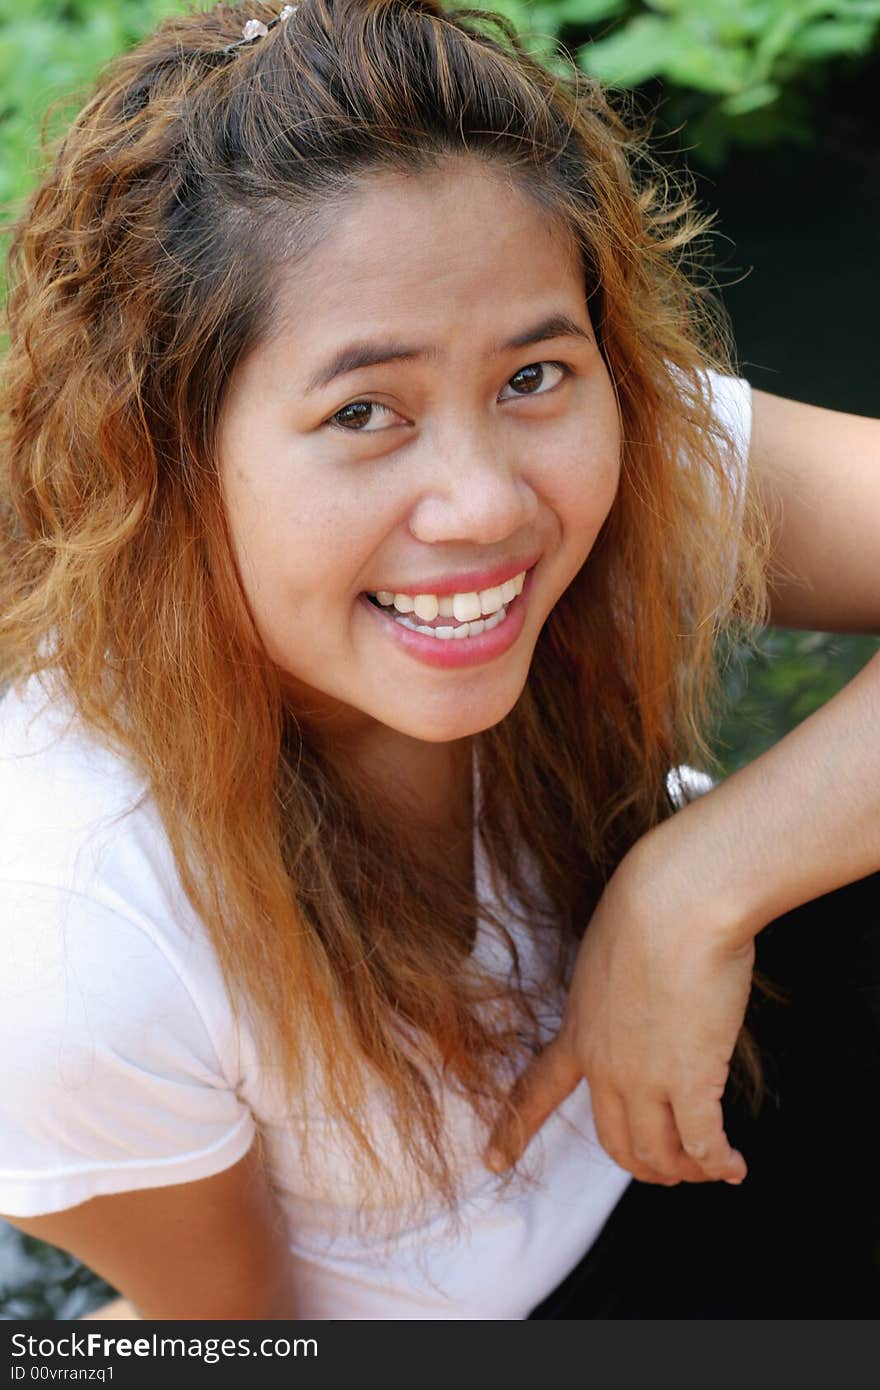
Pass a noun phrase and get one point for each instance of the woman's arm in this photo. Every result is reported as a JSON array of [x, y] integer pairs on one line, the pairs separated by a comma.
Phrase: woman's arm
[[818, 473], [114, 1311], [215, 1248], [662, 978]]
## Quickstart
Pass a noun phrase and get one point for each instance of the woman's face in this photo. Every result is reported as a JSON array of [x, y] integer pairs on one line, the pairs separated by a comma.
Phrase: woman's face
[[430, 417]]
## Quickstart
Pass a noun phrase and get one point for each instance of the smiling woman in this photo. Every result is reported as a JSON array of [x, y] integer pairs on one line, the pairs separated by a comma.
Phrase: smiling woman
[[454, 474], [374, 495]]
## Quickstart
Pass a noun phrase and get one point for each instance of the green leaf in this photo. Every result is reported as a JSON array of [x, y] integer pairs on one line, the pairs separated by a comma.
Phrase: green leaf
[[729, 19], [514, 10], [588, 11], [828, 38], [751, 99], [699, 59], [685, 51], [777, 37], [631, 55], [537, 26], [861, 9]]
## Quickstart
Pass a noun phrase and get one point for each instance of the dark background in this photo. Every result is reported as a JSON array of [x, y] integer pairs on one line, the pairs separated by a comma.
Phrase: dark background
[[804, 223]]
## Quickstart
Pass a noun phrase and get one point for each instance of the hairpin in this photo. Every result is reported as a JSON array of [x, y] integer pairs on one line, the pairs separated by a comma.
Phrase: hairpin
[[256, 29]]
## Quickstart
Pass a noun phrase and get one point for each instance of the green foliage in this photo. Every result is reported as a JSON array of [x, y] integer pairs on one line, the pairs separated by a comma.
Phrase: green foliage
[[50, 50], [771, 689], [733, 72], [737, 71]]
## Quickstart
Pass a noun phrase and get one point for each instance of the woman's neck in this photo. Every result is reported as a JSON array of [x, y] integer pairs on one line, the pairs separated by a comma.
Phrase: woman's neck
[[427, 788], [432, 781]]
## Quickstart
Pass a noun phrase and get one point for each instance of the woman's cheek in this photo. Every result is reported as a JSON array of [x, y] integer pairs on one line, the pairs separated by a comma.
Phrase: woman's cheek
[[586, 490], [604, 471]]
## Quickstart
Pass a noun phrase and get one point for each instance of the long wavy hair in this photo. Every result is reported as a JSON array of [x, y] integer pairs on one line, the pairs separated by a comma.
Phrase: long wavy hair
[[141, 271]]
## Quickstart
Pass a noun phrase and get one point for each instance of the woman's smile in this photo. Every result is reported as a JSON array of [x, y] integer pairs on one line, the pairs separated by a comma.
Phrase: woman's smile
[[448, 644]]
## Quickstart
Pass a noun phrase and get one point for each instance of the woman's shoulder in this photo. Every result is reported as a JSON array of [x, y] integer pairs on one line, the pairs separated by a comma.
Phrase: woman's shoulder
[[59, 787], [75, 814], [730, 398], [732, 407], [89, 891], [124, 1055], [116, 1077]]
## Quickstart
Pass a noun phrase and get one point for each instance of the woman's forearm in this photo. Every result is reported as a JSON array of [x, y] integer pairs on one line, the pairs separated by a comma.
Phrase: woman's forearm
[[797, 822], [117, 1308]]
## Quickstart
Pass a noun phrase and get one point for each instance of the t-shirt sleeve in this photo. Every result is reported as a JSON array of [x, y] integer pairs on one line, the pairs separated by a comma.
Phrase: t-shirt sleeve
[[732, 405], [110, 1080]]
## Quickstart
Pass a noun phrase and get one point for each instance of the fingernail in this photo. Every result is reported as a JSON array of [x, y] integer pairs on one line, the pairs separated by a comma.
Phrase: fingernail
[[738, 1162]]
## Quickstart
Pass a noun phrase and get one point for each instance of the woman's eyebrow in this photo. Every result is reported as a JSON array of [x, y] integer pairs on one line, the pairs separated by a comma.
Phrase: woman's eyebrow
[[371, 354]]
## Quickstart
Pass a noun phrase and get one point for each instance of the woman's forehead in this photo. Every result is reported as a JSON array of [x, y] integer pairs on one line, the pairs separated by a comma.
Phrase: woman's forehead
[[405, 251]]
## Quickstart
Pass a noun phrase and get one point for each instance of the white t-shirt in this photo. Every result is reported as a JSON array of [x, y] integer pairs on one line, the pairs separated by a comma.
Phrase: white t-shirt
[[124, 1067]]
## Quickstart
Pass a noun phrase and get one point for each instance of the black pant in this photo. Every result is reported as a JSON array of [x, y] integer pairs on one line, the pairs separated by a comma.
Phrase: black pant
[[801, 1237]]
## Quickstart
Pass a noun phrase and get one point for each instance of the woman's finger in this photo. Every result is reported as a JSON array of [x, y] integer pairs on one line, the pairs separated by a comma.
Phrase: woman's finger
[[700, 1123], [543, 1085], [613, 1132], [667, 1166], [657, 1145]]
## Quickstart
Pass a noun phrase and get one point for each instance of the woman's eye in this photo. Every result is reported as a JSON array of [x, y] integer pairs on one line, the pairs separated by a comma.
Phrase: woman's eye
[[360, 417], [357, 417], [533, 377]]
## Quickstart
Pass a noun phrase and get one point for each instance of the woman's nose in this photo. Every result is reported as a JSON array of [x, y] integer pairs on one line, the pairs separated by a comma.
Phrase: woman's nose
[[474, 490]]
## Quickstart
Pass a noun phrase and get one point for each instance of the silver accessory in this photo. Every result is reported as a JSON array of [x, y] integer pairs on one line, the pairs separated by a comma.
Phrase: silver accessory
[[256, 29]]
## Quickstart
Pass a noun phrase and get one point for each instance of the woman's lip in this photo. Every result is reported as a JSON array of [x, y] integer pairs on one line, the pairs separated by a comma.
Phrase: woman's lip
[[454, 653], [471, 583]]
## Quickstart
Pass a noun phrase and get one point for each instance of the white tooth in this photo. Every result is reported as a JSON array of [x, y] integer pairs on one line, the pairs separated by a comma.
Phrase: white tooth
[[466, 607], [426, 607], [471, 629], [519, 581], [508, 590], [490, 600], [385, 597], [445, 609], [403, 603]]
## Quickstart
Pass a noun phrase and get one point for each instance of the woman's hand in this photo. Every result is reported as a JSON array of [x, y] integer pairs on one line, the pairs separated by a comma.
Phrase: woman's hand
[[657, 999]]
